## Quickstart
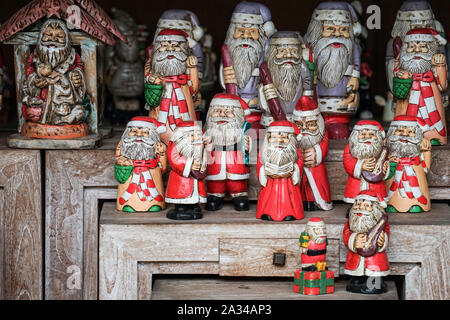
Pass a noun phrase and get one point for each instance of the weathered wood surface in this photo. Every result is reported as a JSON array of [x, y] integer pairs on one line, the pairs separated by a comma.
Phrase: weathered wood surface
[[21, 264], [223, 289], [90, 141]]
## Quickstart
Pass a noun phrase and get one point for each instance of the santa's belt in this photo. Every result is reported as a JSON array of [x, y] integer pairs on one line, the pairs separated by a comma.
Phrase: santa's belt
[[145, 163], [316, 252], [227, 148]]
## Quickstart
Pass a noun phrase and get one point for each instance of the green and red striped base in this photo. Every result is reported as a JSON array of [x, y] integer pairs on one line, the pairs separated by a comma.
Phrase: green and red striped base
[[314, 282]]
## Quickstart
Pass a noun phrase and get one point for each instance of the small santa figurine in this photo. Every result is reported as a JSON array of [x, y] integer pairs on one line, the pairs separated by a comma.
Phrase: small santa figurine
[[420, 74], [410, 156], [171, 80], [366, 235], [140, 163], [188, 155], [228, 164], [313, 243], [313, 143], [364, 156], [279, 170]]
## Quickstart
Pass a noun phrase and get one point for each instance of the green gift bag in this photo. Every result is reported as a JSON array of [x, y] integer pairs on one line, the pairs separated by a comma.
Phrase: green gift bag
[[122, 173], [153, 94], [401, 87]]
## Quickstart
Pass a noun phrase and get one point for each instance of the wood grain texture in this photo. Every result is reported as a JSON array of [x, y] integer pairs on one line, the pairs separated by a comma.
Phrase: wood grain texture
[[20, 225]]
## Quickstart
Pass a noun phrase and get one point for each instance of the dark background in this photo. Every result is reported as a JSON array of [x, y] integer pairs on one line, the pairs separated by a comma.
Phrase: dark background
[[286, 14]]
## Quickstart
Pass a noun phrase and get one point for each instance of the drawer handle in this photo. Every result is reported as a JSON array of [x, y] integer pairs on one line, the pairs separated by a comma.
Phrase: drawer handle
[[279, 259]]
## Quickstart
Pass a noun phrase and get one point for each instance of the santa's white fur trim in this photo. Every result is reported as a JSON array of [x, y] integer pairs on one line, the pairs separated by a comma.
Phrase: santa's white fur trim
[[370, 127], [285, 41], [425, 38], [316, 193], [281, 129], [369, 198], [269, 28], [198, 33], [332, 15], [416, 15], [318, 154], [187, 167], [170, 38], [300, 114], [296, 175], [358, 168], [262, 176], [351, 242], [241, 18]]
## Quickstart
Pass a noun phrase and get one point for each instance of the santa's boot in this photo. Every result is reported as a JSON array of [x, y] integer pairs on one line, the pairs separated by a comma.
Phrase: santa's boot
[[310, 206], [184, 212], [374, 285], [214, 203], [241, 203], [356, 284]]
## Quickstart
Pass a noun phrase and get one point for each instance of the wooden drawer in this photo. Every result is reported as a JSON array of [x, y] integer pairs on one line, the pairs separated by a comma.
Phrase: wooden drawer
[[254, 257]]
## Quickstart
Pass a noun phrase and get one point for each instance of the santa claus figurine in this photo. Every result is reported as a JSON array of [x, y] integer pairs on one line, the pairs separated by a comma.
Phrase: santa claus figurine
[[420, 74], [331, 35], [140, 162], [245, 41], [366, 235], [171, 80], [188, 157], [228, 170], [290, 66], [279, 170], [313, 243], [410, 156], [366, 160], [313, 143]]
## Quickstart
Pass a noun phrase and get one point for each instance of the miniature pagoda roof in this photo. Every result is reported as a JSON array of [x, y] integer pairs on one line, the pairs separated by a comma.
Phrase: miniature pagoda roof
[[93, 19]]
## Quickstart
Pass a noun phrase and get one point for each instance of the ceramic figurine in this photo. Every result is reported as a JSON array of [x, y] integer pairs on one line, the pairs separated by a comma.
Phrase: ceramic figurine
[[228, 169], [171, 80], [366, 160], [279, 170], [289, 64], [140, 162], [313, 143], [420, 74], [409, 161], [243, 52], [332, 36], [366, 235], [125, 71], [314, 278], [413, 14], [188, 157]]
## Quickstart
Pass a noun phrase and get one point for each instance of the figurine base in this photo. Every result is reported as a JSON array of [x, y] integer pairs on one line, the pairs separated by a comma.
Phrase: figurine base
[[54, 132], [90, 141]]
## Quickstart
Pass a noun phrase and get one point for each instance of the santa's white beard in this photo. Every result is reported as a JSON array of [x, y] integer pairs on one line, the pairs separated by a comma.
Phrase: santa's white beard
[[223, 134], [363, 223], [188, 149], [138, 150], [162, 65], [275, 157], [286, 78], [310, 140], [332, 62], [397, 148], [360, 150], [53, 56], [318, 238], [409, 62], [245, 60]]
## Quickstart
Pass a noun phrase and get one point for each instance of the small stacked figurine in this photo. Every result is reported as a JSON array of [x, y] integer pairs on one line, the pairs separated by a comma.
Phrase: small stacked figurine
[[314, 278]]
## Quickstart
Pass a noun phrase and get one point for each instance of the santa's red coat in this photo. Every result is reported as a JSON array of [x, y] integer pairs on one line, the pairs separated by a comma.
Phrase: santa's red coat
[[280, 197], [353, 186], [307, 258], [227, 163], [376, 265], [182, 189]]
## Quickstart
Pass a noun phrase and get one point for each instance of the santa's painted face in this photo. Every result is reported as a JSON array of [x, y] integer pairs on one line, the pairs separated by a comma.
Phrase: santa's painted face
[[224, 125], [416, 56], [169, 58], [365, 143], [284, 62], [404, 141], [317, 233], [312, 130], [364, 214], [53, 46], [189, 143], [139, 143], [246, 45], [279, 148]]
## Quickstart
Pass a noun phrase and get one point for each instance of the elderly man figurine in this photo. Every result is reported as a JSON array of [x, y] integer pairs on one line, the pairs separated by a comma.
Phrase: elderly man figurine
[[332, 36], [243, 52]]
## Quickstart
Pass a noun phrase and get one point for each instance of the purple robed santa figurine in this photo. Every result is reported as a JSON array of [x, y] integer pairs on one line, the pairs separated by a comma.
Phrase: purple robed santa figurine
[[243, 52], [332, 36]]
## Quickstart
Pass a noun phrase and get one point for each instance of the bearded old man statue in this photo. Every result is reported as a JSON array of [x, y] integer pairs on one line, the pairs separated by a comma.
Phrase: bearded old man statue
[[289, 63], [171, 80], [410, 161], [420, 74], [331, 35], [366, 235], [55, 102], [188, 157], [140, 162], [313, 243], [246, 39], [366, 160], [228, 169], [313, 143], [279, 170]]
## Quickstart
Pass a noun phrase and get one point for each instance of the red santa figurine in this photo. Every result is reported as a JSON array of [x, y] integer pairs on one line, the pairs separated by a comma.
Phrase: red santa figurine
[[366, 235], [366, 160], [227, 166], [313, 243], [279, 170], [187, 155], [313, 143]]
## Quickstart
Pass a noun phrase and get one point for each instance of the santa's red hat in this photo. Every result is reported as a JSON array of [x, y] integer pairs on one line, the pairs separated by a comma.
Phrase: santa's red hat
[[172, 35], [230, 100], [148, 123], [425, 34], [371, 125], [371, 195], [410, 121], [187, 126], [283, 126], [305, 107], [315, 222]]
